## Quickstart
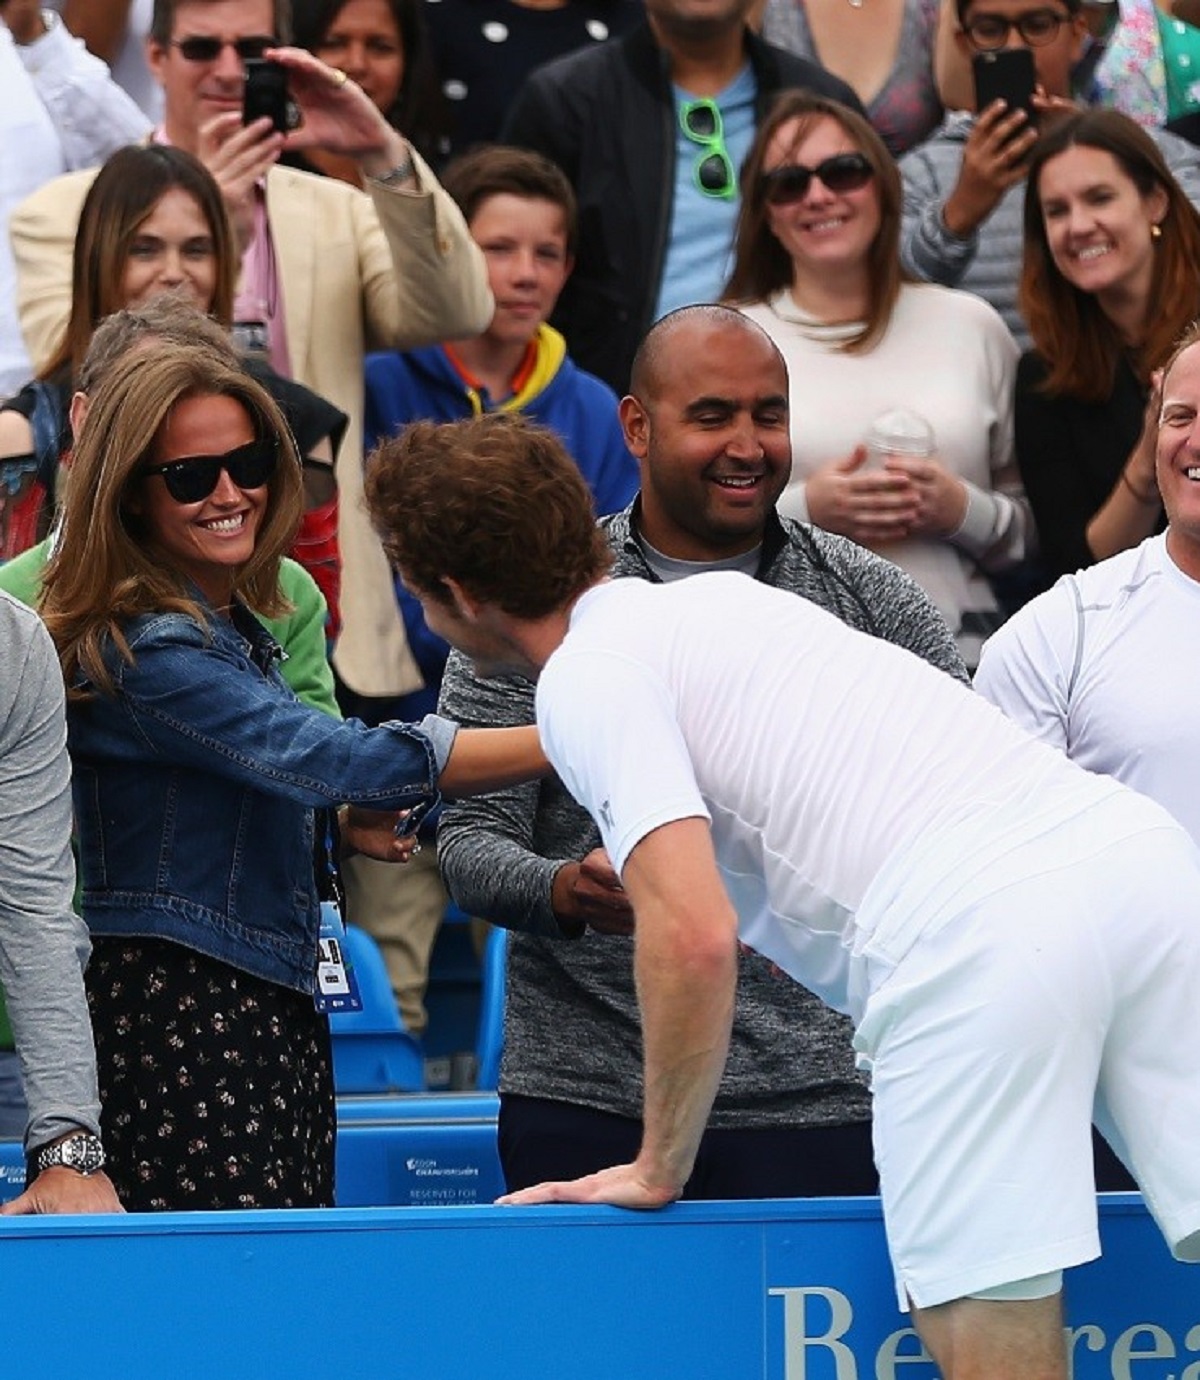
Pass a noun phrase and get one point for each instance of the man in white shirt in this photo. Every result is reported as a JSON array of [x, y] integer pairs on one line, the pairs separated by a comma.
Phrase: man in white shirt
[[1104, 666], [1014, 937]]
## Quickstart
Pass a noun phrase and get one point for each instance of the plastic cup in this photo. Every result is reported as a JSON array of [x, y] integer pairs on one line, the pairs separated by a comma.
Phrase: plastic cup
[[898, 431]]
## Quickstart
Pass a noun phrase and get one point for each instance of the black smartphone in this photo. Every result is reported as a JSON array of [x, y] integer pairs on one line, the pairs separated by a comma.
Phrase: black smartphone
[[1007, 75], [266, 94]]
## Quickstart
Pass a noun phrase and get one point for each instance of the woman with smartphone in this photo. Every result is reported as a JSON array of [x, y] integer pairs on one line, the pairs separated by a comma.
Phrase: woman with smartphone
[[196, 775], [1110, 280], [817, 266]]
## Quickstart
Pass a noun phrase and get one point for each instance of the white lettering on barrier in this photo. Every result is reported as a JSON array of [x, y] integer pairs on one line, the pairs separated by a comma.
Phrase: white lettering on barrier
[[900, 1348], [829, 1314], [797, 1340]]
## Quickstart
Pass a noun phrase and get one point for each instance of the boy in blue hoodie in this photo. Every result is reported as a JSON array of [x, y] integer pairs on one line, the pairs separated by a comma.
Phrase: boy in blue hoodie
[[521, 212]]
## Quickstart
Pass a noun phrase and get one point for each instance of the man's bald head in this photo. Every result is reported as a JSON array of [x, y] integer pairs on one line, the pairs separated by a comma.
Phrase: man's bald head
[[707, 420], [662, 353]]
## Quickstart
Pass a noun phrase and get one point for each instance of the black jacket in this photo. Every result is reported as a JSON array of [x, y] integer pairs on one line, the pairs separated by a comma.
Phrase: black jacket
[[606, 116]]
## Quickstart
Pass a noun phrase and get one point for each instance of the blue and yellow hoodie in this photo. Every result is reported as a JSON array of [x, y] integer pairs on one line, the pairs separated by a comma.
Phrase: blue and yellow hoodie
[[432, 385]]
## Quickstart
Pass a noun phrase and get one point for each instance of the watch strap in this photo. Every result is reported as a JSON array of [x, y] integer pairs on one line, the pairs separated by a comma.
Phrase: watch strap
[[82, 1152]]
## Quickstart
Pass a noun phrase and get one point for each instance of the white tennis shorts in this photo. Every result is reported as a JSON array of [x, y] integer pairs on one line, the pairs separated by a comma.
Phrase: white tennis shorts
[[1070, 990]]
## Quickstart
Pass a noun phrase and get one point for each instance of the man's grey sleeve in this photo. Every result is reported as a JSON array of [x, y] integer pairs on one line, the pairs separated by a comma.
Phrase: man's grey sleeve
[[901, 610], [43, 944], [486, 844], [927, 248]]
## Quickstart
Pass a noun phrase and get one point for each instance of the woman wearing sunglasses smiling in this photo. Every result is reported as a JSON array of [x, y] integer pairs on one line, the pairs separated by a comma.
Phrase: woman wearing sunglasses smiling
[[196, 777], [153, 224], [817, 266]]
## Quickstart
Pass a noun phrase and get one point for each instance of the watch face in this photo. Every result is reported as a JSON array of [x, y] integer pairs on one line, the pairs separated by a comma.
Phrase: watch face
[[82, 1153]]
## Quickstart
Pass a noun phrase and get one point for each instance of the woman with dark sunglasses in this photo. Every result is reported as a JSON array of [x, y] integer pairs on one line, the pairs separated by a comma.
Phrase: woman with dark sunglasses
[[817, 266], [196, 778], [153, 223]]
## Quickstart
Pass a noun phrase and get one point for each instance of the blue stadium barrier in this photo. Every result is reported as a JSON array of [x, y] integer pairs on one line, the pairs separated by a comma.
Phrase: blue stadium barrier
[[716, 1291]]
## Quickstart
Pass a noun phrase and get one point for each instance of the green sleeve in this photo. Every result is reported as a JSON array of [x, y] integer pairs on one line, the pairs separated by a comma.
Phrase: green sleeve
[[301, 634], [22, 576]]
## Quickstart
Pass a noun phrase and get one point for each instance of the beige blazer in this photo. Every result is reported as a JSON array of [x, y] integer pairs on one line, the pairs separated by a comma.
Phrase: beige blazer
[[394, 270]]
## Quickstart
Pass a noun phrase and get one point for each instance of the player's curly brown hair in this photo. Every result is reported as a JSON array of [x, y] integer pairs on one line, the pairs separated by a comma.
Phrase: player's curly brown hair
[[493, 502]]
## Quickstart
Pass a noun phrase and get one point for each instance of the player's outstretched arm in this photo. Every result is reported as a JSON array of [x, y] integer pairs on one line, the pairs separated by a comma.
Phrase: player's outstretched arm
[[686, 967]]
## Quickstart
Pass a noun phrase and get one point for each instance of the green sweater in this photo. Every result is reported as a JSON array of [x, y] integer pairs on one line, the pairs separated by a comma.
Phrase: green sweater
[[300, 633]]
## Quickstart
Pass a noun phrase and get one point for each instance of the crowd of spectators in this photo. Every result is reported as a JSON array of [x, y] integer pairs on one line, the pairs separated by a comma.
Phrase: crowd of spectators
[[534, 206]]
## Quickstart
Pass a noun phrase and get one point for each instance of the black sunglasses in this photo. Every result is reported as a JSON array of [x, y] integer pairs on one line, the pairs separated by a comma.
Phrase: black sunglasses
[[205, 49], [844, 172], [192, 478]]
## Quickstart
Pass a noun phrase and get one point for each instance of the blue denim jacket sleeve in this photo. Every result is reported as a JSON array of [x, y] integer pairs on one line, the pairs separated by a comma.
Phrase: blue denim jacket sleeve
[[195, 698]]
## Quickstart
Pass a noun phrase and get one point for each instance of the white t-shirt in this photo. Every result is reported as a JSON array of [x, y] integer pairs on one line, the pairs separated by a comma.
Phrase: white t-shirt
[[130, 68], [857, 796], [58, 110], [948, 356], [32, 155], [1105, 667]]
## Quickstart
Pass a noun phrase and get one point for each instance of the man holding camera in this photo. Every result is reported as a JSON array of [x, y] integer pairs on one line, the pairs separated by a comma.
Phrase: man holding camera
[[964, 188], [327, 271]]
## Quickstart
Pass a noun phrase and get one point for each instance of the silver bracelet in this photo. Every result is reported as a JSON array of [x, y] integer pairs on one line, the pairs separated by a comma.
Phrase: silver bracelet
[[403, 170]]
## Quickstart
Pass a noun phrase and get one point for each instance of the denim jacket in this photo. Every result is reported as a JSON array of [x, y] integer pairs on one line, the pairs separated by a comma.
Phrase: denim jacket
[[195, 784]]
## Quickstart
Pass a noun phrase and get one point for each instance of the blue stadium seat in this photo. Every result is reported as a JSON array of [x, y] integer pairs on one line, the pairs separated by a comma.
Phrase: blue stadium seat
[[489, 1044], [372, 1051], [436, 1149]]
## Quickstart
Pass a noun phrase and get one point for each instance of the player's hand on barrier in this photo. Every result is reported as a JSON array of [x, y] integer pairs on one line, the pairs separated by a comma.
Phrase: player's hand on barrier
[[622, 1185]]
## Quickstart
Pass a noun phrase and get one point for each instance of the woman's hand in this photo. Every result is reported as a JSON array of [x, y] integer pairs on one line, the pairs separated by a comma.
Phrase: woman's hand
[[337, 114], [871, 506], [373, 833], [1140, 466], [941, 496], [1133, 509]]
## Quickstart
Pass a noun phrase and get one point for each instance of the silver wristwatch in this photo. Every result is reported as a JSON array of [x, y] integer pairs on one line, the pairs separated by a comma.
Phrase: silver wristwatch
[[82, 1152]]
